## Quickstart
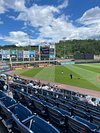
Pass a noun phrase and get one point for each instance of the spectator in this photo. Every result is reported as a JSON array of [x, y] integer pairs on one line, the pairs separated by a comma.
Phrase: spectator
[[10, 80], [3, 84], [30, 84]]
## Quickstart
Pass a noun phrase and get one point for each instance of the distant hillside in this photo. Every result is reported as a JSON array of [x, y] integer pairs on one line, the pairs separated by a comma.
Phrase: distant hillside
[[67, 48], [19, 48]]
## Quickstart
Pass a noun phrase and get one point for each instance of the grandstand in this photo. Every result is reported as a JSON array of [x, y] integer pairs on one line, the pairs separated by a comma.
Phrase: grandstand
[[49, 66], [42, 108]]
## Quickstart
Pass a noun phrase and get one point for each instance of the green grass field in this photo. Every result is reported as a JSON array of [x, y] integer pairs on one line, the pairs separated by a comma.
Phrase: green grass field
[[85, 75]]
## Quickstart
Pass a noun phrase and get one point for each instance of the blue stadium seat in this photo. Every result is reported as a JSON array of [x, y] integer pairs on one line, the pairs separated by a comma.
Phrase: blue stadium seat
[[80, 113], [27, 99], [58, 95], [15, 94], [2, 94], [34, 125], [41, 97], [5, 114], [95, 120], [94, 113], [80, 107], [7, 101], [39, 107], [51, 101], [79, 125], [17, 109], [56, 116], [64, 107]]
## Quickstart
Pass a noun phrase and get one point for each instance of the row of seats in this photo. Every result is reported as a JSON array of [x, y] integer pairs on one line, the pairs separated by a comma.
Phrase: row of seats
[[43, 94], [19, 119], [62, 115]]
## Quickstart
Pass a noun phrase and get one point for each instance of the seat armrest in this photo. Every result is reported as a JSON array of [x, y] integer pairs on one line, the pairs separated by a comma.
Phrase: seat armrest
[[27, 119], [12, 106], [2, 98]]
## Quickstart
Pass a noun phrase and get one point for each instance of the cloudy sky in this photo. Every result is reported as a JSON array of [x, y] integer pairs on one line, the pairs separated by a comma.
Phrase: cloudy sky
[[24, 22]]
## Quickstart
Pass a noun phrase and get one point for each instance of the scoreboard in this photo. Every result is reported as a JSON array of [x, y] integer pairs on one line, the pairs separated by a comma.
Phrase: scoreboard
[[47, 52], [44, 52]]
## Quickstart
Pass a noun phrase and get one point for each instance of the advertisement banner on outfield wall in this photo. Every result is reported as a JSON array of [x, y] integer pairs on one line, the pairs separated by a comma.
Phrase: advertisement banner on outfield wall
[[32, 54], [20, 54], [6, 54], [26, 54]]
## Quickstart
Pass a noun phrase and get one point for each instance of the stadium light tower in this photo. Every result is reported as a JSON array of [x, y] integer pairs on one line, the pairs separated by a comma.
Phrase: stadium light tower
[[29, 43], [64, 39]]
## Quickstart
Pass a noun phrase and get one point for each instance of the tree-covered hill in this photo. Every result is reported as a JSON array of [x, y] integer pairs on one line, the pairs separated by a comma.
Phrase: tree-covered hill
[[67, 48]]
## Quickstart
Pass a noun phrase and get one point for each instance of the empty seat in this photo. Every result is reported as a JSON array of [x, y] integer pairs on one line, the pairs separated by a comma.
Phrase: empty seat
[[51, 101], [58, 95], [79, 125], [94, 113], [2, 94], [80, 107], [19, 110], [34, 124], [80, 113], [41, 97], [95, 120], [56, 116], [15, 94], [39, 106], [64, 107], [7, 101]]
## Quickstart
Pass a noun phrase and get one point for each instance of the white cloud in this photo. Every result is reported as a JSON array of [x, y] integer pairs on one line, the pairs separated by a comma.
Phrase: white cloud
[[40, 15], [2, 7], [43, 18], [16, 37], [91, 16], [17, 5], [63, 5], [20, 38]]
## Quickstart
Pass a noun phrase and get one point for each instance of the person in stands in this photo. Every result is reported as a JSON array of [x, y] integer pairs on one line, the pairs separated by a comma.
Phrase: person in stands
[[3, 84]]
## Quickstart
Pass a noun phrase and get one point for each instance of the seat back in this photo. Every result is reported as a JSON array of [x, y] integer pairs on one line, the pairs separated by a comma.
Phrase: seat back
[[39, 125], [8, 101], [39, 106], [79, 125], [96, 120], [21, 111], [64, 107], [2, 94], [21, 127], [51, 101], [77, 112], [56, 116], [5, 112], [94, 113], [35, 125]]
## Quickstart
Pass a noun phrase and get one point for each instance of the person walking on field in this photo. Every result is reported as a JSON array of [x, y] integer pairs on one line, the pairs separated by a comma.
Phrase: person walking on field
[[62, 72], [71, 76]]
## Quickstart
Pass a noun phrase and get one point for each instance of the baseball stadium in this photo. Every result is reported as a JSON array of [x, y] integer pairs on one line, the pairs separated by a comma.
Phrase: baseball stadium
[[49, 66]]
